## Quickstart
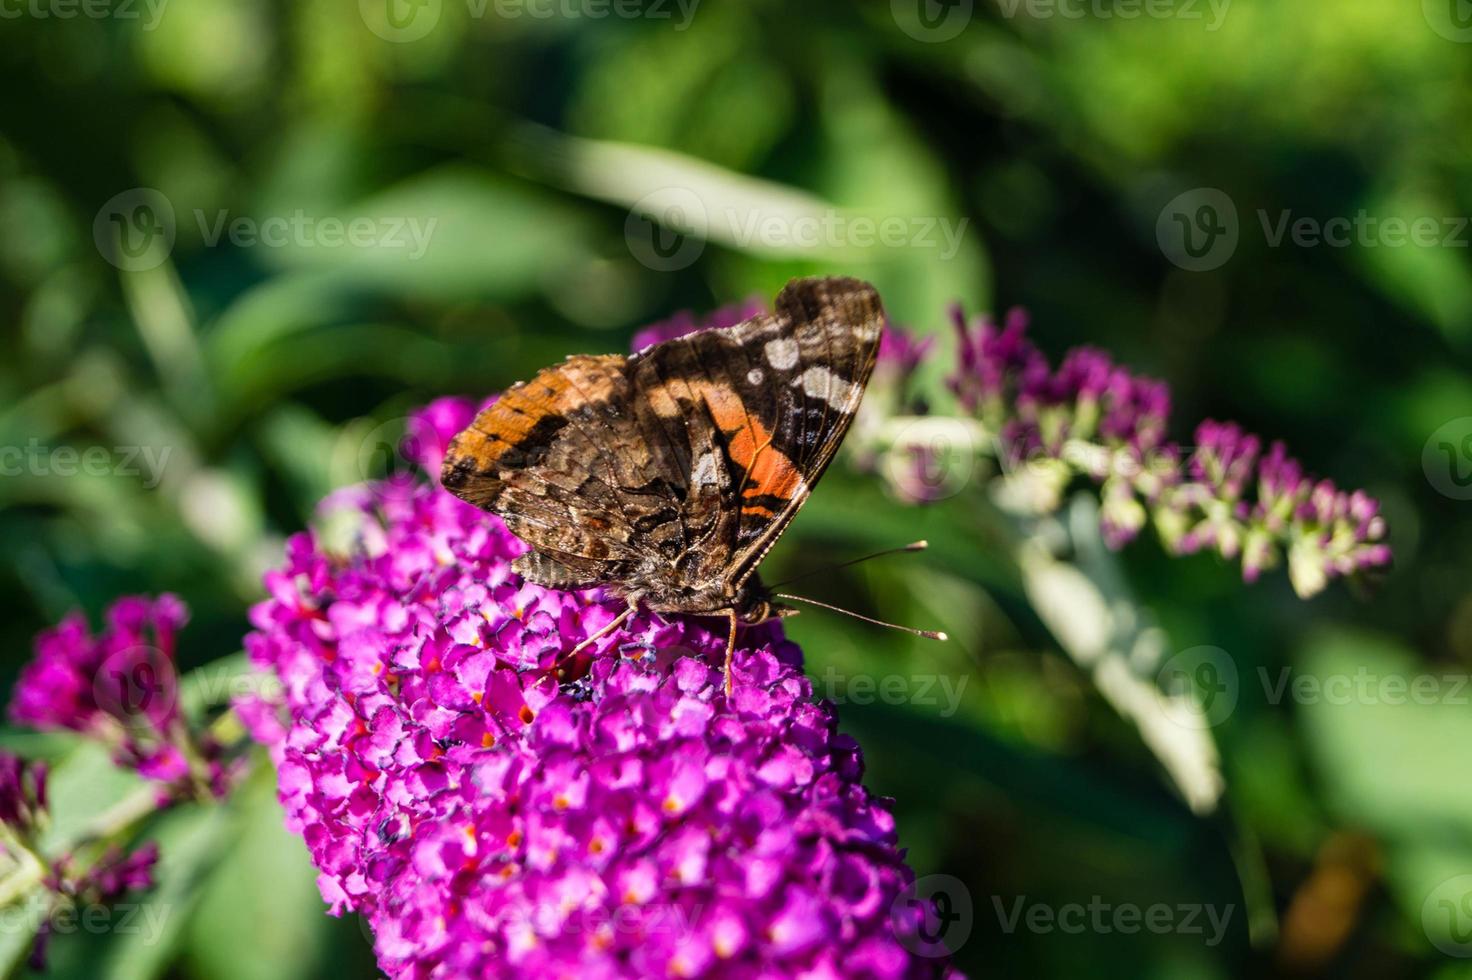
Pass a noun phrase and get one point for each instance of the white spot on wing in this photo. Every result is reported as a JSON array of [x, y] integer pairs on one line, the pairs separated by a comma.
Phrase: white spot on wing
[[754, 376], [782, 354], [821, 383], [705, 472]]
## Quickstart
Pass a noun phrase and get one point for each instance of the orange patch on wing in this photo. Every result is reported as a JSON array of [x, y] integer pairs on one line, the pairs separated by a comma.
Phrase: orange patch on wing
[[554, 391], [768, 472], [773, 475]]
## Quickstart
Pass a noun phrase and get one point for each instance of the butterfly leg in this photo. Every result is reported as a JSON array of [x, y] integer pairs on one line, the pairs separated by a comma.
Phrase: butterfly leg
[[622, 617], [730, 648]]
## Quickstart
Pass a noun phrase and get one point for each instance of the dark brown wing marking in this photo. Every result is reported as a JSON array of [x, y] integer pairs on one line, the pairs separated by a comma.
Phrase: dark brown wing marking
[[560, 461], [780, 390]]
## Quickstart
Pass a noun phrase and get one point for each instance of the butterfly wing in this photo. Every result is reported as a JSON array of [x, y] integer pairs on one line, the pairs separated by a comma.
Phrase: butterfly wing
[[756, 412], [559, 459], [670, 473]]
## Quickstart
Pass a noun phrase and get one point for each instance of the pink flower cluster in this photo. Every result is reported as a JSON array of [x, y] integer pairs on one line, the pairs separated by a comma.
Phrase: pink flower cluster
[[121, 688], [489, 819], [100, 880], [1094, 418]]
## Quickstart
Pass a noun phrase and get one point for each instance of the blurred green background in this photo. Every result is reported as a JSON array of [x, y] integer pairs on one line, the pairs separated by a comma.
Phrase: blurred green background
[[141, 144]]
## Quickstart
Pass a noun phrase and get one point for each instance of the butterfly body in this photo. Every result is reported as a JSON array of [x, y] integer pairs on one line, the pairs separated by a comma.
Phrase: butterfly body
[[667, 475]]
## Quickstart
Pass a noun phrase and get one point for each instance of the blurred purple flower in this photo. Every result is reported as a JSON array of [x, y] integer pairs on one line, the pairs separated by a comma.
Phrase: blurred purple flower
[[121, 688], [106, 881], [22, 794], [1091, 417]]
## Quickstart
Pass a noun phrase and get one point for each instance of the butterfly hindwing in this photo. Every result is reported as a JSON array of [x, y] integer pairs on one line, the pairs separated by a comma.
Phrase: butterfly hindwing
[[559, 460]]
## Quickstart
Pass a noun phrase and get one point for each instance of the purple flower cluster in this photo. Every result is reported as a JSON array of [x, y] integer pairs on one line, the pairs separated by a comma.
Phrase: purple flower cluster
[[488, 818], [108, 878], [1093, 417], [121, 688], [101, 880], [22, 794], [1007, 382]]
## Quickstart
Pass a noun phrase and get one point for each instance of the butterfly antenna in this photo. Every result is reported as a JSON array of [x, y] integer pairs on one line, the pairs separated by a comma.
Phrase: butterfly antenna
[[928, 634], [912, 546]]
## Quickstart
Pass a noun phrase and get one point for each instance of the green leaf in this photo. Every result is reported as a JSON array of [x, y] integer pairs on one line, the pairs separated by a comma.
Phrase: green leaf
[[260, 916]]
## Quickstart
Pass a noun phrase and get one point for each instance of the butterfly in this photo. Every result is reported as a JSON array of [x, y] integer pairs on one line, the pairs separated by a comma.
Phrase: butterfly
[[666, 476]]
